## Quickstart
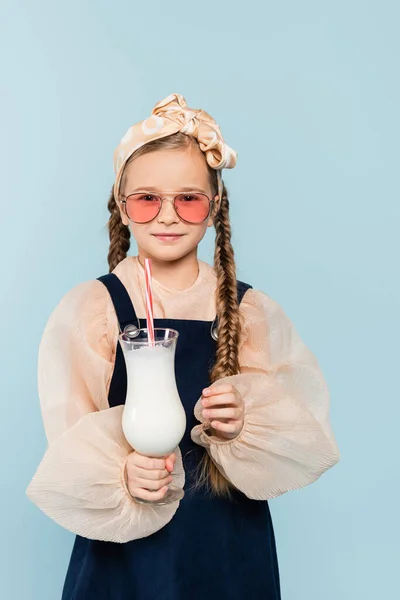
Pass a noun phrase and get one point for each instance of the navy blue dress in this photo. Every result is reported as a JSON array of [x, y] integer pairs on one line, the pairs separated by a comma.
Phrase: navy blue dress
[[213, 548]]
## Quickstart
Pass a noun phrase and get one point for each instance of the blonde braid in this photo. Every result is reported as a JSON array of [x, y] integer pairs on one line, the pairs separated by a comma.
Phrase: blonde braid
[[119, 233], [227, 360], [229, 328]]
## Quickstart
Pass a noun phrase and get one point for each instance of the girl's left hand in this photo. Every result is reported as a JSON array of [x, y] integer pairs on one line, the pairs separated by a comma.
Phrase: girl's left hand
[[224, 407]]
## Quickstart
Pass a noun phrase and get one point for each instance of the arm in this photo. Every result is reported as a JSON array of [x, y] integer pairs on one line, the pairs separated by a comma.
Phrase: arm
[[286, 441], [80, 483]]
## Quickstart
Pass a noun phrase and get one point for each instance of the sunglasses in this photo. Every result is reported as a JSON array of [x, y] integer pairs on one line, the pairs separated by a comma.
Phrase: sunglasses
[[190, 207]]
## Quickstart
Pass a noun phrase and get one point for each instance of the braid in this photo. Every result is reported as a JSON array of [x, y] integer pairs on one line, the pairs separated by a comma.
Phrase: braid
[[227, 361], [229, 327], [119, 235]]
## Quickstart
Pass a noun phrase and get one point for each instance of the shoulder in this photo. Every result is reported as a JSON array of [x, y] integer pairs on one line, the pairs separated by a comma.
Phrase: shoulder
[[264, 318], [87, 296], [260, 312], [85, 311], [258, 300]]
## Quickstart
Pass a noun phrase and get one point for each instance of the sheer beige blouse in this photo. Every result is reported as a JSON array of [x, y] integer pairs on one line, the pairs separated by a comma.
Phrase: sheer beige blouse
[[286, 442]]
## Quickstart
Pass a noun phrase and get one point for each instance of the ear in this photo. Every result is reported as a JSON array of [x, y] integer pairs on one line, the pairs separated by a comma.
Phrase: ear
[[124, 218], [214, 211]]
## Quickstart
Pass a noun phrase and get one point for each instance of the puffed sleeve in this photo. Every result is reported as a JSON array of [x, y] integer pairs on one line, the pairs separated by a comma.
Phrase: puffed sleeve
[[80, 482], [286, 442]]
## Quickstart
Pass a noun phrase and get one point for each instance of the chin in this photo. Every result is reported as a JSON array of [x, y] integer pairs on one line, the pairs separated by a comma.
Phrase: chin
[[168, 253]]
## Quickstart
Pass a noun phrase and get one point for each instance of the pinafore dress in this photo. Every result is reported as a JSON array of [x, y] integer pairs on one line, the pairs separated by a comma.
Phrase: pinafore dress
[[213, 548]]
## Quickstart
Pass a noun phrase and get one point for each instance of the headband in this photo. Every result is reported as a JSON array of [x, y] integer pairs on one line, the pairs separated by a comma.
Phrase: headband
[[168, 117]]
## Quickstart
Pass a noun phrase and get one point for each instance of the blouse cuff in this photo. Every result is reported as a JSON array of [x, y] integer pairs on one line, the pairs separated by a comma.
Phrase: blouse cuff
[[81, 485], [281, 446]]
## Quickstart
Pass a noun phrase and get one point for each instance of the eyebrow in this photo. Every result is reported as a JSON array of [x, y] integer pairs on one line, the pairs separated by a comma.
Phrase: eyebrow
[[149, 188]]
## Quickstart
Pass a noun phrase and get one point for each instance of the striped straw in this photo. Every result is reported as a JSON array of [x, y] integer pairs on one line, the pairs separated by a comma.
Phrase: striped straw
[[149, 301]]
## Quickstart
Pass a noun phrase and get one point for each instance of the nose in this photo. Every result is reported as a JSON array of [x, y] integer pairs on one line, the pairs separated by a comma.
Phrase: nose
[[167, 214]]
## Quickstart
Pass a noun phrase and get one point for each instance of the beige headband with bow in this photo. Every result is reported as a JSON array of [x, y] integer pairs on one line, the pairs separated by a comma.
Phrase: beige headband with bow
[[168, 117]]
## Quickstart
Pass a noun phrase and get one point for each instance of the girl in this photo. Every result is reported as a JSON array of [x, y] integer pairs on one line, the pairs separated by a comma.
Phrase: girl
[[255, 399]]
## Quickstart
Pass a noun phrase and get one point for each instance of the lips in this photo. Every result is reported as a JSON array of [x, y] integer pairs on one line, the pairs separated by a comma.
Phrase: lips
[[168, 237]]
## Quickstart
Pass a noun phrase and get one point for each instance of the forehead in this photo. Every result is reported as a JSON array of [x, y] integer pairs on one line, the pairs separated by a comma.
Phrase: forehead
[[167, 169]]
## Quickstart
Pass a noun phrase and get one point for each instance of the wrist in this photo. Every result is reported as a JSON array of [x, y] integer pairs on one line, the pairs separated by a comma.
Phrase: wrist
[[125, 480]]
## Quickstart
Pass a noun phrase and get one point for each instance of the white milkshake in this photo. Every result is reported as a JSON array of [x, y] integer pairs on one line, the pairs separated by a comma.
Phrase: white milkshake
[[154, 419]]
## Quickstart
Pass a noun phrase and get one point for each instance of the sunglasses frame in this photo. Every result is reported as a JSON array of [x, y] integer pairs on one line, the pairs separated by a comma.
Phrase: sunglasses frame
[[211, 204]]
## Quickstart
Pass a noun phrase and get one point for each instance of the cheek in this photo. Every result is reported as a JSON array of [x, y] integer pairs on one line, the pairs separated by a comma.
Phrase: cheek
[[140, 232], [198, 232]]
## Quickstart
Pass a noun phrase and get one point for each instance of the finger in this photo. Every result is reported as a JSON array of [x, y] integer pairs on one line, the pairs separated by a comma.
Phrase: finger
[[220, 399], [148, 463], [150, 474], [151, 485], [144, 494], [231, 427], [170, 464], [222, 413], [220, 388]]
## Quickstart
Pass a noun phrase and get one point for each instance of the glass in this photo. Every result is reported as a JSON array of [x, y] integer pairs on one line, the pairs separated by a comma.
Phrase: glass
[[193, 207], [153, 419]]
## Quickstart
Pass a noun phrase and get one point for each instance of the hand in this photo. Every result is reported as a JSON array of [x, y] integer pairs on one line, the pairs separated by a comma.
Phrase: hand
[[224, 407], [148, 478]]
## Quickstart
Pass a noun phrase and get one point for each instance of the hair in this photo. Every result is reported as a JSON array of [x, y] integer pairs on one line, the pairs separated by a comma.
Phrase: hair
[[229, 325]]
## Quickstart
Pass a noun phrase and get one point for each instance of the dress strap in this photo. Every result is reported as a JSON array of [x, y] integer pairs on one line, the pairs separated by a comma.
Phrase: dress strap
[[124, 308], [241, 290]]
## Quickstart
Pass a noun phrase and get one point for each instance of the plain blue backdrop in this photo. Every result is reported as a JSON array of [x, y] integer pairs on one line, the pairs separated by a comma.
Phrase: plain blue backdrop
[[308, 94]]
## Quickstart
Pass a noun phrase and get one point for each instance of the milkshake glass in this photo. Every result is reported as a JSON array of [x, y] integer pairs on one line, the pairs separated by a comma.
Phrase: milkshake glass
[[153, 420]]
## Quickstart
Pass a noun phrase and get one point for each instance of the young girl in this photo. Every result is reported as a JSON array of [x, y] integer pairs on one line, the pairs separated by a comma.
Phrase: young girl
[[255, 399]]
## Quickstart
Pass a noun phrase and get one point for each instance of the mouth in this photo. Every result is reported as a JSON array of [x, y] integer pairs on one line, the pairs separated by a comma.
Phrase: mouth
[[168, 237]]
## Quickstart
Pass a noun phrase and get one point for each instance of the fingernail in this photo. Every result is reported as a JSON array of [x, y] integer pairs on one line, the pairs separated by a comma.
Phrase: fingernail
[[206, 413], [206, 391]]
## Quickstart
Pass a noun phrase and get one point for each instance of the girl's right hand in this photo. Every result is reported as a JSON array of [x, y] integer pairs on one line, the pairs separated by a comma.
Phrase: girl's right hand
[[148, 478]]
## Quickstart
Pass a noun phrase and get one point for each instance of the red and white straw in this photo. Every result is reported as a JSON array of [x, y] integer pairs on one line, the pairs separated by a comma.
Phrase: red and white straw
[[149, 301]]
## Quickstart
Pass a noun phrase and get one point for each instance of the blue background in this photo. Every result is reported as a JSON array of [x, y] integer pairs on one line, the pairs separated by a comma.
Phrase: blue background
[[308, 93]]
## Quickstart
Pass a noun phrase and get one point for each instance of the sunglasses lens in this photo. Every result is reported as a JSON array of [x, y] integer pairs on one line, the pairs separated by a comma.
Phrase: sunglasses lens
[[142, 208], [193, 208]]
